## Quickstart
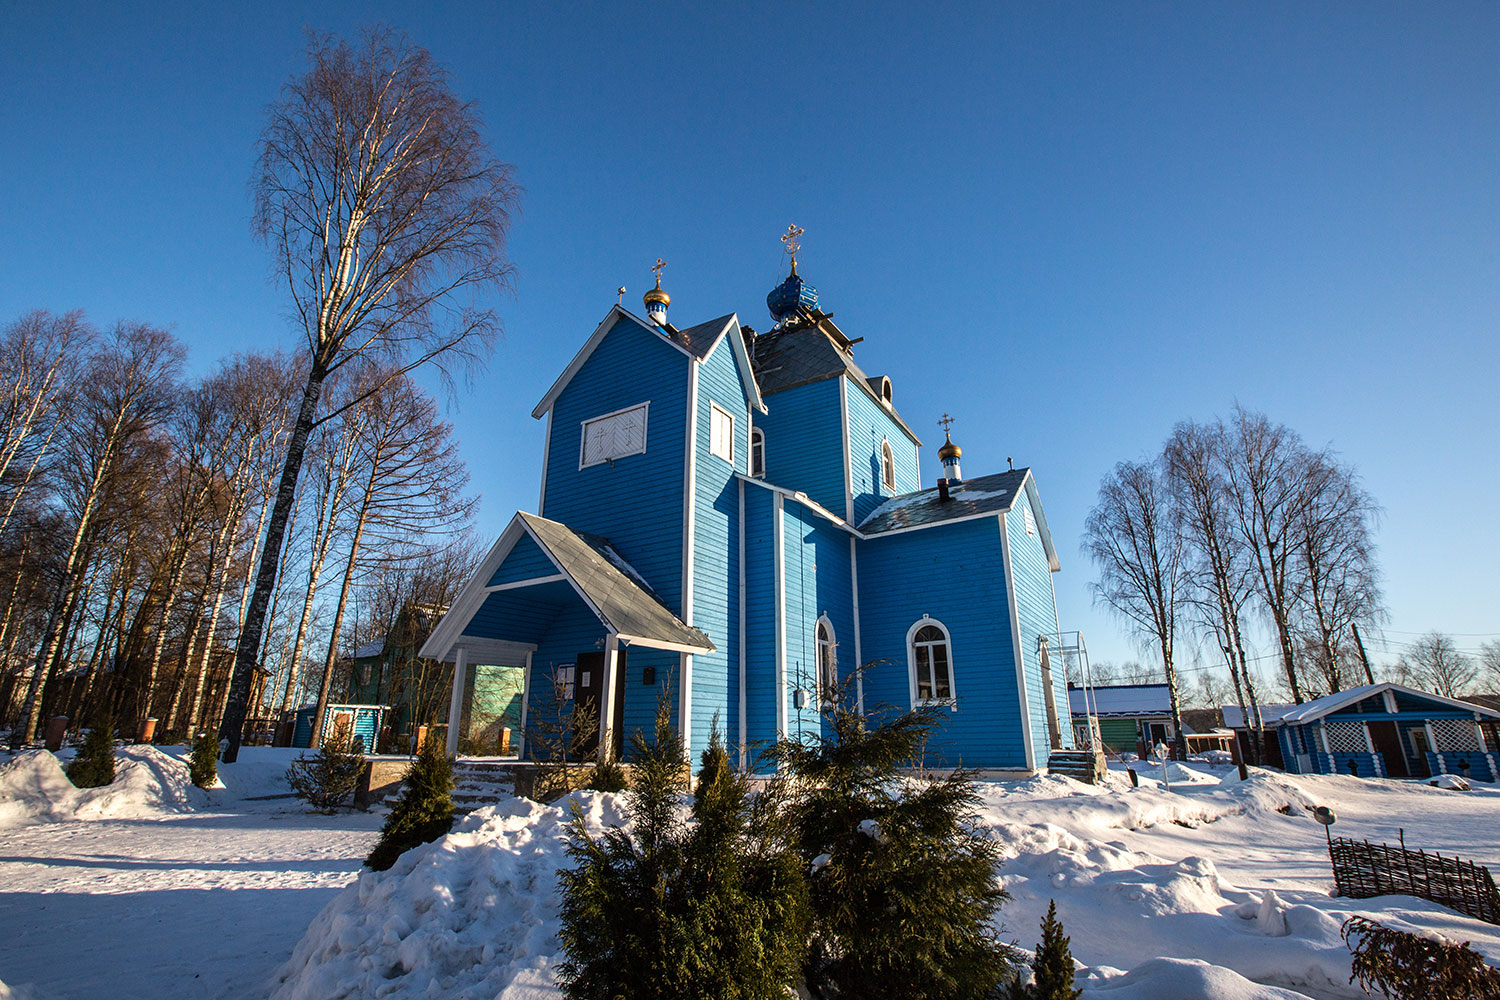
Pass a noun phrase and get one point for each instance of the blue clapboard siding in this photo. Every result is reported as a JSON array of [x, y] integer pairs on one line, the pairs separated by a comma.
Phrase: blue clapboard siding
[[367, 721], [525, 561], [760, 617], [869, 425], [716, 565], [636, 502], [1037, 615], [804, 442], [956, 574], [817, 583]]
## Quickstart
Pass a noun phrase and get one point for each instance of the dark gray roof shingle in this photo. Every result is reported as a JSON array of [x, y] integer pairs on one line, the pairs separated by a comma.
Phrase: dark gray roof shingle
[[622, 596], [700, 339], [984, 495]]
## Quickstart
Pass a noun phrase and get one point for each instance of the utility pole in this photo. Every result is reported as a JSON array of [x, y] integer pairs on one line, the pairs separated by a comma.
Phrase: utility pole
[[1363, 657]]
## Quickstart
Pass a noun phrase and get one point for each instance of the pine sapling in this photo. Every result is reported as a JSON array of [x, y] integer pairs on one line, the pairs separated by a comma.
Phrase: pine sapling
[[425, 810], [203, 763], [95, 764], [325, 779], [1052, 966]]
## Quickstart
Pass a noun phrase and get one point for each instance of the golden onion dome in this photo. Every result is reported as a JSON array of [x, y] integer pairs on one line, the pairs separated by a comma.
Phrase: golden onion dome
[[656, 295], [949, 449]]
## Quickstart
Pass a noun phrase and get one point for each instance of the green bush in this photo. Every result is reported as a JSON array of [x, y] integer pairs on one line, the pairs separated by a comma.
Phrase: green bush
[[608, 776], [709, 909], [903, 879], [425, 810], [203, 763], [94, 766], [1051, 967], [325, 779], [1407, 967]]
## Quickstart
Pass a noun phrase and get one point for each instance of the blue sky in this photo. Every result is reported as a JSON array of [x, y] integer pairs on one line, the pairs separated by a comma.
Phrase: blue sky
[[1069, 226]]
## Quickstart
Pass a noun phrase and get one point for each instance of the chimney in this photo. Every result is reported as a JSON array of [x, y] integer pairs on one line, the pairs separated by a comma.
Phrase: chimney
[[943, 490]]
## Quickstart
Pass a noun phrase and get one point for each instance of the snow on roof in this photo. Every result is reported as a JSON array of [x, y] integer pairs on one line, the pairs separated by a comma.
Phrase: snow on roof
[[1268, 714], [1122, 699], [1319, 707], [373, 648]]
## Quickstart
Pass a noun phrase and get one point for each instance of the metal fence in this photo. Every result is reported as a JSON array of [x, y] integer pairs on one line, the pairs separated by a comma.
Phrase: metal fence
[[1362, 869]]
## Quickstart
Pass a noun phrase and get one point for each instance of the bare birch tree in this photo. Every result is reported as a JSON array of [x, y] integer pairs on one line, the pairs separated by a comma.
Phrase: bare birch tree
[[382, 204], [1137, 544], [1435, 662]]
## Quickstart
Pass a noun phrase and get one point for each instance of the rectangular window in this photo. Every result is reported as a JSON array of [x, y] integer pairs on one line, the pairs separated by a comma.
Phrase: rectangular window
[[565, 681], [1030, 519], [720, 432], [613, 436]]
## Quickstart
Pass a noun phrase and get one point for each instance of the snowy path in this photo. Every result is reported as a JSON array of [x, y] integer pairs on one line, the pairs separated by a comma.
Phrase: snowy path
[[154, 888], [203, 905]]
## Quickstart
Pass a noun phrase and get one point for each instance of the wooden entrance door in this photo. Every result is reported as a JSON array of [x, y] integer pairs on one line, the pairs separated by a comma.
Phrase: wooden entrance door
[[588, 679], [1388, 744]]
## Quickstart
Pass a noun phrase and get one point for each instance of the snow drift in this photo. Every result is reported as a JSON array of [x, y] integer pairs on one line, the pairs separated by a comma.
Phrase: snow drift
[[34, 788]]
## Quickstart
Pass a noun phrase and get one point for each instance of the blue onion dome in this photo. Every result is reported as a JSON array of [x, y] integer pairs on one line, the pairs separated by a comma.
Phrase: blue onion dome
[[791, 293]]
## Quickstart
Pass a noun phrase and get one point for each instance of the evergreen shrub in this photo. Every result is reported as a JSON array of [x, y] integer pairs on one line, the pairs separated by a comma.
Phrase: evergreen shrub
[[677, 909], [1051, 967], [902, 876], [94, 765], [1407, 967], [325, 779], [425, 810], [203, 762]]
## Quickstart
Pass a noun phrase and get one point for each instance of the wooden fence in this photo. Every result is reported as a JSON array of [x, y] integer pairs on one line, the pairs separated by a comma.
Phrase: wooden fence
[[1362, 869]]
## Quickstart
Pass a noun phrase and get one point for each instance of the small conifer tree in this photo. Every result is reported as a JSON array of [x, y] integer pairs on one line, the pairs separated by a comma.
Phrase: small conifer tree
[[1405, 966], [1053, 964], [325, 779], [94, 766], [708, 909], [203, 762], [903, 881], [425, 810]]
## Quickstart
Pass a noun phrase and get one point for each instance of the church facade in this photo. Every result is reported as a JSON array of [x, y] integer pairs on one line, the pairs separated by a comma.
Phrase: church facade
[[734, 521]]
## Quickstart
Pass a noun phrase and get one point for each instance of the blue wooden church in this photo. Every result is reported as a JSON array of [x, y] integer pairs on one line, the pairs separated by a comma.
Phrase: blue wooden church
[[736, 520]]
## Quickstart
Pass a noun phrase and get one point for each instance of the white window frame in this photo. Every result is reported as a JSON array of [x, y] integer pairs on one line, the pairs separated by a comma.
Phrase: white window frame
[[757, 447], [583, 434], [566, 675], [1029, 518], [827, 685], [715, 410], [911, 663], [887, 465]]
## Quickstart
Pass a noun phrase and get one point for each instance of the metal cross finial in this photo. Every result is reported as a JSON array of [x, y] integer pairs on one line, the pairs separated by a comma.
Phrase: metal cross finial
[[945, 423], [792, 239], [656, 270]]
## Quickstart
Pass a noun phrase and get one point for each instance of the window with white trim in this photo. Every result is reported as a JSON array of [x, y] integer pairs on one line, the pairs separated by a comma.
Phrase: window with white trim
[[887, 466], [1029, 518], [721, 432], [757, 452], [930, 656], [564, 681], [828, 668], [613, 436]]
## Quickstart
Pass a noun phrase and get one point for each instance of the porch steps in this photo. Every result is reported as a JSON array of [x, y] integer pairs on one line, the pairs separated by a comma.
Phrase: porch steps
[[476, 784], [1084, 765]]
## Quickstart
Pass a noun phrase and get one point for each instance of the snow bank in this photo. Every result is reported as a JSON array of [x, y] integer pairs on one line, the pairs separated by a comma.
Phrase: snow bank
[[1179, 979], [473, 914], [35, 789]]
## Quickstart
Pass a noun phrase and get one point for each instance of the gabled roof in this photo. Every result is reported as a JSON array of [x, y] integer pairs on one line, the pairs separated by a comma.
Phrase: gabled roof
[[812, 350], [1234, 719], [1121, 700], [982, 496], [372, 648], [696, 342], [618, 596], [1319, 707]]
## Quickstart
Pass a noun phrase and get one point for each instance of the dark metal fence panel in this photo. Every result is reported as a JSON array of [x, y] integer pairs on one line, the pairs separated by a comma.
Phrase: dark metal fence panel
[[1362, 869]]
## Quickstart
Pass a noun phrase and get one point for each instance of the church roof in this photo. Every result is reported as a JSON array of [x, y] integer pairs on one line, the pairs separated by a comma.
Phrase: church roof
[[810, 351], [983, 496]]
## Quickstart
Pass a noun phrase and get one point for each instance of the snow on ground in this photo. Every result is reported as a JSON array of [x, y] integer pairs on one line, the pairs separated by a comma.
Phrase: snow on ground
[[1214, 889], [151, 887]]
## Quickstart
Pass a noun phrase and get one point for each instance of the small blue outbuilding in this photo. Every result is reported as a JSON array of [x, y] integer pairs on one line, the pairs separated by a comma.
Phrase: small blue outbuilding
[[364, 720], [1388, 731]]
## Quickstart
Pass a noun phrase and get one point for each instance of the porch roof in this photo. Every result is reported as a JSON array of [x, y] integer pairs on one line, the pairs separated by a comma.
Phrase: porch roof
[[617, 595], [1319, 707]]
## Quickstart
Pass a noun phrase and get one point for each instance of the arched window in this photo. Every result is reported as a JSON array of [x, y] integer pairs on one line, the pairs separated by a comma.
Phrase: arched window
[[929, 656], [757, 452], [887, 466], [828, 664]]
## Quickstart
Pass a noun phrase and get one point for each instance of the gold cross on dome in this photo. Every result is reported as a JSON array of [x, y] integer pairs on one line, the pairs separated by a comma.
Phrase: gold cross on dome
[[945, 423], [656, 270], [792, 239]]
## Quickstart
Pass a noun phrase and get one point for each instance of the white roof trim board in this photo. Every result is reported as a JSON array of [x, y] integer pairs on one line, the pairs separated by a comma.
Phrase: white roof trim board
[[742, 358], [1319, 707]]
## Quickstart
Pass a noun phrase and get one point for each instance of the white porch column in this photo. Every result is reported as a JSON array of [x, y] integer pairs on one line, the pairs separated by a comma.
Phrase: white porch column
[[456, 701], [607, 720]]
